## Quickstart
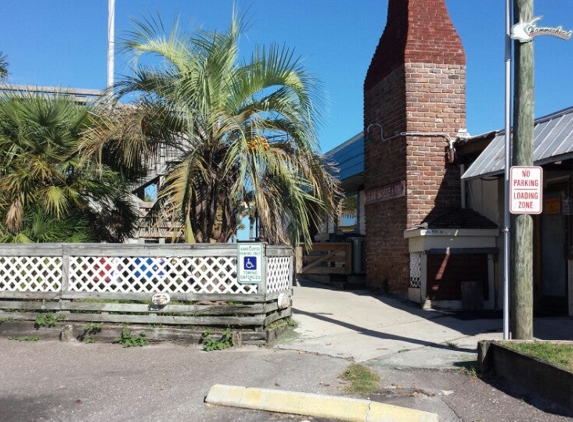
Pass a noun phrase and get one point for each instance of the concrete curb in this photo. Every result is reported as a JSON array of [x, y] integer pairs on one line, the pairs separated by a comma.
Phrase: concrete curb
[[341, 408]]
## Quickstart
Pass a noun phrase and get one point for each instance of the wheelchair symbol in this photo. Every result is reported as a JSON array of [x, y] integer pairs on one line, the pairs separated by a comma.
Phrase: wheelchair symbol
[[250, 263]]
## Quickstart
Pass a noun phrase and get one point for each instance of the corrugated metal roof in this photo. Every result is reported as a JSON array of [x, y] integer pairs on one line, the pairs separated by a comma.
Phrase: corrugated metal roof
[[553, 141], [349, 157]]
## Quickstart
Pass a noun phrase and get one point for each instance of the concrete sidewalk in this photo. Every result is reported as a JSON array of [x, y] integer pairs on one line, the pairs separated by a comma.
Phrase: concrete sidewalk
[[393, 332]]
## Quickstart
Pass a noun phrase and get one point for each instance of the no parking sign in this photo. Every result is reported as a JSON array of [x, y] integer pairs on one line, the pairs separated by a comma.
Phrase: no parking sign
[[250, 263], [526, 190]]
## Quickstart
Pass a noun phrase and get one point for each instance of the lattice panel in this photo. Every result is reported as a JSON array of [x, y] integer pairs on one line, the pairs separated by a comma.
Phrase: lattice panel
[[278, 274], [30, 274], [416, 270], [207, 275]]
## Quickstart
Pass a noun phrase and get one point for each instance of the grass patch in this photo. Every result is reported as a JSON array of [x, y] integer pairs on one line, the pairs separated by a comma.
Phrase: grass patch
[[557, 354], [26, 338], [282, 323], [361, 379]]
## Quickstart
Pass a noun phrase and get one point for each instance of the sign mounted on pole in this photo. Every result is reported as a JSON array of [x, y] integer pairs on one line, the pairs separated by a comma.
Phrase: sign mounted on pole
[[525, 31], [250, 263], [526, 190]]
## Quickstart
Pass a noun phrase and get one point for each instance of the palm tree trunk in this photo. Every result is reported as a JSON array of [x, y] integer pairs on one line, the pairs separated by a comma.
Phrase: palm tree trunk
[[189, 235]]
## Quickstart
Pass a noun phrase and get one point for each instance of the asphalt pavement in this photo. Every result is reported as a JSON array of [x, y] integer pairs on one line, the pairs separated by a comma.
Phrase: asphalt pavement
[[420, 355]]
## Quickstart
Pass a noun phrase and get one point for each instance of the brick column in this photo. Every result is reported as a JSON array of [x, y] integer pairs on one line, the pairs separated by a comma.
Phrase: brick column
[[415, 84]]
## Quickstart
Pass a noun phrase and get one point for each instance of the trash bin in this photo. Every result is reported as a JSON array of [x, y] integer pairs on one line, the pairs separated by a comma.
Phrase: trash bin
[[472, 295], [358, 255]]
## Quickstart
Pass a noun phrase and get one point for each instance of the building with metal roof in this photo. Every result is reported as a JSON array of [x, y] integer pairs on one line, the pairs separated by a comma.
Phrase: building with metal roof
[[349, 158], [553, 226], [553, 142], [482, 160], [79, 95]]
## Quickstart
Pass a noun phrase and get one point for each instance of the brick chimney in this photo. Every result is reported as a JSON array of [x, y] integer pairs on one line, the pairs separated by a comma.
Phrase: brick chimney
[[414, 103]]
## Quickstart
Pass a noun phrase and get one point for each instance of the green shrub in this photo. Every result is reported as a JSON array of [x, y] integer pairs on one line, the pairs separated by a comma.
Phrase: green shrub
[[126, 339], [48, 320], [224, 342]]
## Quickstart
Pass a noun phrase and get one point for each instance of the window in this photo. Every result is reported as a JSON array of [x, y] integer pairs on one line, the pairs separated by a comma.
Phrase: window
[[348, 215]]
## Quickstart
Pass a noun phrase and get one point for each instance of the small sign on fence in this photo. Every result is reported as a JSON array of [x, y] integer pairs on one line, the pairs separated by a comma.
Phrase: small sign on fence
[[250, 263]]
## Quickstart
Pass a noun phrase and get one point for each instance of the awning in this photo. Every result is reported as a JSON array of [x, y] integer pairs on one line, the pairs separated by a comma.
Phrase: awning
[[553, 141]]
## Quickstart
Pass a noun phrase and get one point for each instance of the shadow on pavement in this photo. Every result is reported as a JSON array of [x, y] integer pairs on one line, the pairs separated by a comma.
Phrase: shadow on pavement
[[381, 335], [544, 327]]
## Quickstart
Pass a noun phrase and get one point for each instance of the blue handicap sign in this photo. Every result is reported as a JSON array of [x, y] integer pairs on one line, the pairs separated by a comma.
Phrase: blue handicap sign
[[250, 263]]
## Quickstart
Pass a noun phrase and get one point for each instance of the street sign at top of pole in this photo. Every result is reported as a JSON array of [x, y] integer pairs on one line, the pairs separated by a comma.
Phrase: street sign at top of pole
[[524, 31]]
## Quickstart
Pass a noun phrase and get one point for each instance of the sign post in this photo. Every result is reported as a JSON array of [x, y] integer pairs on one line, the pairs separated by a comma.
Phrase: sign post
[[519, 237], [250, 263]]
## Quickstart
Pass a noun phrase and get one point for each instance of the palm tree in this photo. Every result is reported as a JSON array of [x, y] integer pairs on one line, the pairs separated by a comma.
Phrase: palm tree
[[3, 67], [244, 132], [46, 192]]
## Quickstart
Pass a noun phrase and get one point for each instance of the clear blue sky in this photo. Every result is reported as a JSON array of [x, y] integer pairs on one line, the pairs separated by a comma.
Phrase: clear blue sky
[[64, 43]]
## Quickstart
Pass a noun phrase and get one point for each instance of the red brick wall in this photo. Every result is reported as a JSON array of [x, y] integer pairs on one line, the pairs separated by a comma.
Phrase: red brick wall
[[385, 163], [415, 83], [435, 102]]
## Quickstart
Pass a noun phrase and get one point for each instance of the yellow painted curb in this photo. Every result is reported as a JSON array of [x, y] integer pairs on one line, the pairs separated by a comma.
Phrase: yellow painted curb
[[316, 405]]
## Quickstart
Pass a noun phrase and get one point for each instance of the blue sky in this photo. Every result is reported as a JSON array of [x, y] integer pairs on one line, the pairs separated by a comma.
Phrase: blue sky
[[64, 43]]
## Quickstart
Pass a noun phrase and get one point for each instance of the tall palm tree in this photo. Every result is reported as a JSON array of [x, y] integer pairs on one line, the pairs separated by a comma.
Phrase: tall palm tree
[[46, 192], [244, 132]]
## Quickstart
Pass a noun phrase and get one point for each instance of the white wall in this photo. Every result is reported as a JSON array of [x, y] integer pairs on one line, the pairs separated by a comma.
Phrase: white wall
[[484, 197]]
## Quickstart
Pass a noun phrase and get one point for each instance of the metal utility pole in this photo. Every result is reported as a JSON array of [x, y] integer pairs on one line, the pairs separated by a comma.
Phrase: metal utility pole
[[522, 224], [507, 216], [110, 44]]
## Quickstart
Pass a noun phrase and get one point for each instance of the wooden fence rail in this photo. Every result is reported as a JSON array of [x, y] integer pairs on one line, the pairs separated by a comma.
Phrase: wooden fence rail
[[325, 258]]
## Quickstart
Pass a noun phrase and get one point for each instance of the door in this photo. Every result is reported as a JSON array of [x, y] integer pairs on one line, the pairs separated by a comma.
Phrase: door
[[553, 233]]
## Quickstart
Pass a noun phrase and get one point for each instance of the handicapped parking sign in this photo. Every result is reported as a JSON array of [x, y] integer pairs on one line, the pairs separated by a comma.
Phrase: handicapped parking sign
[[250, 263]]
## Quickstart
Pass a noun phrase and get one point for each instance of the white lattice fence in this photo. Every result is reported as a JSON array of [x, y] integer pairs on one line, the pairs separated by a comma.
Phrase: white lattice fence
[[416, 269], [279, 274], [201, 275], [122, 273], [116, 283], [30, 274]]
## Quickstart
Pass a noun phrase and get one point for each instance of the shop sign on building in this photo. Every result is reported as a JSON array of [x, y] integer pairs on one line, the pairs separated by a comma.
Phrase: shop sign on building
[[384, 193], [526, 190]]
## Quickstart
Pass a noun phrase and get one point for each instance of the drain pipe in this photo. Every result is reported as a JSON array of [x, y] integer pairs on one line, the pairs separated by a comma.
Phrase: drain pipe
[[447, 137], [463, 186], [451, 149]]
